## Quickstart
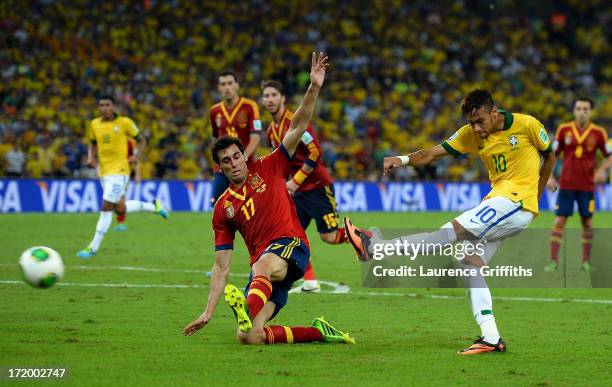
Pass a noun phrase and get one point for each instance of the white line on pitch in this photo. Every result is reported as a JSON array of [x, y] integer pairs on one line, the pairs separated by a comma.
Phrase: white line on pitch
[[358, 293], [137, 268]]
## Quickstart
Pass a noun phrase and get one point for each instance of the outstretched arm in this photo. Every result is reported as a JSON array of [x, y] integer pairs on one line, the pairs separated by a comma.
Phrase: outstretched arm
[[303, 115], [416, 159], [600, 173], [546, 170], [220, 272]]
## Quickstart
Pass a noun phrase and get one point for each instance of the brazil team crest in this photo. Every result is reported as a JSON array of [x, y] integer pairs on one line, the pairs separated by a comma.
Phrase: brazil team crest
[[513, 140]]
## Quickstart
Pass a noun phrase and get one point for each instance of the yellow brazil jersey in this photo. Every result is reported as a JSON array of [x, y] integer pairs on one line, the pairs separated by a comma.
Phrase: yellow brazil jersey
[[510, 155], [111, 138]]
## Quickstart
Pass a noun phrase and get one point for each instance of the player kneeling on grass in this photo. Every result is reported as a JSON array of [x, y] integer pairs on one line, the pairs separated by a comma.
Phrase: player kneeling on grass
[[258, 205], [510, 145]]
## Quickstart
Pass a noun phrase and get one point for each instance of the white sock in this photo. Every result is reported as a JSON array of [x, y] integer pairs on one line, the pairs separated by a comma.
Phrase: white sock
[[482, 310], [137, 206], [446, 234], [104, 222]]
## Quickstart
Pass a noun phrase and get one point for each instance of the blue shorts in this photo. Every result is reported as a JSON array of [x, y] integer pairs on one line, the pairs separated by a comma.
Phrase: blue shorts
[[297, 255], [318, 204], [220, 184], [566, 199]]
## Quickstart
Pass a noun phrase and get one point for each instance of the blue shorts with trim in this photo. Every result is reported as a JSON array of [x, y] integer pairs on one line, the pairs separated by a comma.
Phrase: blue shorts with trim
[[297, 255], [318, 204], [566, 199]]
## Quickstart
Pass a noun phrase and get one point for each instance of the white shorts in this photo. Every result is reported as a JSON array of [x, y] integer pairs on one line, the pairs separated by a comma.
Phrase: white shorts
[[495, 218], [113, 187]]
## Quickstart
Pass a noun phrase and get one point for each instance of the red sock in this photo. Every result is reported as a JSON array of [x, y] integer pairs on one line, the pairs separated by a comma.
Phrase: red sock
[[260, 291], [278, 334], [120, 218], [340, 236], [587, 237], [556, 238], [309, 274]]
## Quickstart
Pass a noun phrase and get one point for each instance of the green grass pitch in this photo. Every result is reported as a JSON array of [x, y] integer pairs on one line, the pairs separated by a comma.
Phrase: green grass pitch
[[124, 327]]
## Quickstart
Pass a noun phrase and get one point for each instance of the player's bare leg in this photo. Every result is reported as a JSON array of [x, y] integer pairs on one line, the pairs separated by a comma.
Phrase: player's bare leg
[[104, 222], [479, 293], [587, 239], [138, 206], [121, 226], [556, 240], [257, 335]]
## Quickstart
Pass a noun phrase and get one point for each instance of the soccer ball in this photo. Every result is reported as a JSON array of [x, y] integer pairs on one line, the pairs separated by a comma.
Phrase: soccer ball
[[41, 266]]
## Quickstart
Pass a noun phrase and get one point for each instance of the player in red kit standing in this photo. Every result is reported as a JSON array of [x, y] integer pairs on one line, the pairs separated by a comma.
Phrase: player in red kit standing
[[308, 181], [258, 205], [578, 140], [235, 116]]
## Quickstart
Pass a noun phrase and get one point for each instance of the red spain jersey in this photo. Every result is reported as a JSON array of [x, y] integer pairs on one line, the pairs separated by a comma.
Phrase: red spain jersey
[[239, 121], [308, 151], [261, 210], [579, 148]]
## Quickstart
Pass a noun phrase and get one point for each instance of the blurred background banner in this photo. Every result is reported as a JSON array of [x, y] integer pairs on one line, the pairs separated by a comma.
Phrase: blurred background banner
[[32, 195]]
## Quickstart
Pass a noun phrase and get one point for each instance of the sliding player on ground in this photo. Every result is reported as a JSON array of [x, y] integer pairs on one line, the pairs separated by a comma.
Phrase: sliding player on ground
[[257, 205]]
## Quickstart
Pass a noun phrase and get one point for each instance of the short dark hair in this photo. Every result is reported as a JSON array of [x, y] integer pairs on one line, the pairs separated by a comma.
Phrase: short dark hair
[[224, 143], [108, 97], [274, 84], [476, 99], [583, 99], [227, 72]]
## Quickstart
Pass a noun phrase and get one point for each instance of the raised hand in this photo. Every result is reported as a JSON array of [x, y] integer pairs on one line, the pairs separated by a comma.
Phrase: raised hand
[[317, 70], [390, 163]]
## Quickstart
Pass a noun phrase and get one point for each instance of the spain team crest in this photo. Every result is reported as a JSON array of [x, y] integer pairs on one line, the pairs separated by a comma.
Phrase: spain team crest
[[255, 181], [229, 211]]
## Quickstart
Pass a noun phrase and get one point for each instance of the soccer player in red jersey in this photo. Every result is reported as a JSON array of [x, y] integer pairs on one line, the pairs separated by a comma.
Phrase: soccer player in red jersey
[[235, 116], [258, 205], [308, 181], [578, 140]]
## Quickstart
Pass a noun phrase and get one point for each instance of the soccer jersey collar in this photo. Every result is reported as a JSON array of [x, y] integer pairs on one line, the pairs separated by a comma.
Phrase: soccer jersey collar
[[508, 119]]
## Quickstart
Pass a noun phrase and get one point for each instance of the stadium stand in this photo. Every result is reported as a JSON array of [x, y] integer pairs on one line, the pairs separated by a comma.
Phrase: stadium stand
[[398, 72]]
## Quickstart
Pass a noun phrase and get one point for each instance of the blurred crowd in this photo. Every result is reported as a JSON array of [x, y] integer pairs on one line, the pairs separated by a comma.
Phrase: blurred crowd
[[399, 70]]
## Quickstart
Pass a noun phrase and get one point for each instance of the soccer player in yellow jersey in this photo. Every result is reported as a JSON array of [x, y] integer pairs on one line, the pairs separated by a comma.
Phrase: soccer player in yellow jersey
[[108, 151], [510, 146]]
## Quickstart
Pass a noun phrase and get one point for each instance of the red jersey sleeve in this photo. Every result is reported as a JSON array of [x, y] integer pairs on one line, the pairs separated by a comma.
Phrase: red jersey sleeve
[[215, 129], [603, 145], [278, 162], [254, 118], [559, 143], [224, 231], [313, 148]]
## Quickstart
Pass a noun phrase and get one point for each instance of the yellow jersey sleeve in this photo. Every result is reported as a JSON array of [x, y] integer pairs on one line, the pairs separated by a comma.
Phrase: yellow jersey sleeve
[[91, 135], [130, 127], [538, 135], [462, 142]]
